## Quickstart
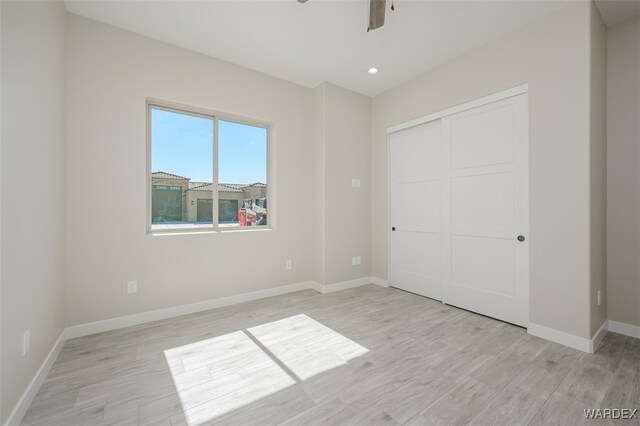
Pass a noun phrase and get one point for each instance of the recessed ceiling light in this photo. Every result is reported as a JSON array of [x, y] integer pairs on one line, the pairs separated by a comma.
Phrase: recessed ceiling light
[[372, 71]]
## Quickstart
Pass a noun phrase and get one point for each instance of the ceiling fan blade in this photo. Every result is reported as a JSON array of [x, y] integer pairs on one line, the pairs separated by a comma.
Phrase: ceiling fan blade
[[376, 13]]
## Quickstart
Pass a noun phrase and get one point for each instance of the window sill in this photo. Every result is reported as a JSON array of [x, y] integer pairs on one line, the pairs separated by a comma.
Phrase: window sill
[[189, 229]]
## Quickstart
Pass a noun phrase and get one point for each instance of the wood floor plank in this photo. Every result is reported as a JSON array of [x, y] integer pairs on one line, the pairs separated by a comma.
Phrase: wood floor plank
[[559, 410], [416, 395], [586, 384], [512, 405], [367, 355], [460, 404], [330, 412], [543, 376]]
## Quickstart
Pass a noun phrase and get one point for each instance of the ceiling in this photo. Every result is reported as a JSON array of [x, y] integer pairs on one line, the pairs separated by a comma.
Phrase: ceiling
[[614, 12], [322, 40]]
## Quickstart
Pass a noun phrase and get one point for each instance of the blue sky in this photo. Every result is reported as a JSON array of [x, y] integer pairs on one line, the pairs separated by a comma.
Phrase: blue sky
[[183, 145]]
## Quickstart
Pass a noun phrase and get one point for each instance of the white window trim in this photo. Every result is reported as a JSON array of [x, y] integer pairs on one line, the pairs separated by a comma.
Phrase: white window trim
[[182, 229]]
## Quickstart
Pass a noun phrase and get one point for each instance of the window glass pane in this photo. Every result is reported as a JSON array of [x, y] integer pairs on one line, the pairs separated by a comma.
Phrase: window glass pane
[[182, 168], [242, 168]]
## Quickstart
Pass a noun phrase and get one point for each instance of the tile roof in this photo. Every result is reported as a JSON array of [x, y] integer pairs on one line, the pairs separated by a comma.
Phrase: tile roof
[[207, 186], [245, 185], [193, 185], [226, 188], [165, 175]]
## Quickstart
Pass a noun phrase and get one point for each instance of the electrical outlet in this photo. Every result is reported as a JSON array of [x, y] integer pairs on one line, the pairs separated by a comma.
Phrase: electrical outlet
[[26, 342], [288, 265], [132, 287], [356, 260], [599, 297], [356, 183]]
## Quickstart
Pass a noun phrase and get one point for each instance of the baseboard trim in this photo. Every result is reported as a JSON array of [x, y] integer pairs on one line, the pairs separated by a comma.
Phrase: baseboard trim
[[344, 285], [87, 329], [597, 338], [316, 286], [557, 336], [624, 328], [176, 311], [380, 281], [16, 416]]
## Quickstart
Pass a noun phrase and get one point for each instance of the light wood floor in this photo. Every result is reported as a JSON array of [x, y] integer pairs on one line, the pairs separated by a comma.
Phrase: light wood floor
[[368, 355]]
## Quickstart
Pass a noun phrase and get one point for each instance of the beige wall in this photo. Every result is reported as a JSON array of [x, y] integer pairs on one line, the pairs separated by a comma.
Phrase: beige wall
[[623, 172], [343, 139], [598, 170], [553, 56], [1, 408], [1, 81], [33, 157], [110, 73], [319, 169]]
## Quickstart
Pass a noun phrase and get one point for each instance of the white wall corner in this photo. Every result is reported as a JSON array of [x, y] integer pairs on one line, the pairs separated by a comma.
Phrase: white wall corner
[[557, 336], [380, 281], [343, 285], [317, 287], [624, 328], [330, 288], [16, 416], [597, 338]]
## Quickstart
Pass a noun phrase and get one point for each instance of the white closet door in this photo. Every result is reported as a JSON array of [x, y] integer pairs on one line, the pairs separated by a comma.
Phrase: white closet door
[[415, 210], [485, 210]]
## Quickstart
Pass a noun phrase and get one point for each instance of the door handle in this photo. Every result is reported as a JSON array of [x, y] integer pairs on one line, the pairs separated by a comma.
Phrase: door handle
[[521, 238], [393, 228]]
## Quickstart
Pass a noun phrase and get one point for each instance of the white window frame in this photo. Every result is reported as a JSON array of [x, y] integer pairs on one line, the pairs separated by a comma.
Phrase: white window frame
[[215, 117]]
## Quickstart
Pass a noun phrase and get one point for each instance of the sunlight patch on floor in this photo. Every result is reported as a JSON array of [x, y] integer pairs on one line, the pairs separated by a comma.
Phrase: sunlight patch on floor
[[215, 377], [306, 346]]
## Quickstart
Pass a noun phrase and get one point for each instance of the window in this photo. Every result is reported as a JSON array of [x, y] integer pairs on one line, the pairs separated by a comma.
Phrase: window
[[206, 171]]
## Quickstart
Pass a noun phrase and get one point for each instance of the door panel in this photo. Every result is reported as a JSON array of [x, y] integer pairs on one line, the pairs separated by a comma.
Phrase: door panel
[[485, 209], [418, 268], [415, 210], [483, 264], [417, 152], [419, 206], [493, 125], [483, 201]]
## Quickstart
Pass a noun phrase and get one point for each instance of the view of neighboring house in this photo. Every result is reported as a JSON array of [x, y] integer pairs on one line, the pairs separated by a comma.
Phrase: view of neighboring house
[[177, 199]]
